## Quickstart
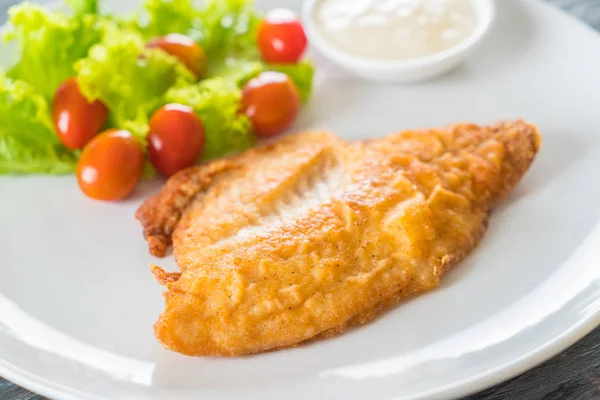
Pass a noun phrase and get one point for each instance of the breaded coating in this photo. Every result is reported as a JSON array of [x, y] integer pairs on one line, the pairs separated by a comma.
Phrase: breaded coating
[[300, 238]]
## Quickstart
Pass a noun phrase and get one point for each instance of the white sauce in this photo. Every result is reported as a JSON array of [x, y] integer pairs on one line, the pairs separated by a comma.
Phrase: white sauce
[[395, 29]]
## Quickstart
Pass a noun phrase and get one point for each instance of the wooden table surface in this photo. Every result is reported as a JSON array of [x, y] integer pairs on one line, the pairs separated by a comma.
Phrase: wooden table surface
[[572, 375]]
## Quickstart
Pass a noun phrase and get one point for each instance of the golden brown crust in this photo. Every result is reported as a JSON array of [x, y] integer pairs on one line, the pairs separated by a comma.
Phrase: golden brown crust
[[521, 141], [160, 213], [309, 235], [163, 277]]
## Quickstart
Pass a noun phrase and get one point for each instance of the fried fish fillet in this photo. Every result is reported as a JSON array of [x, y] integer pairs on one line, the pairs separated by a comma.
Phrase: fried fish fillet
[[302, 237]]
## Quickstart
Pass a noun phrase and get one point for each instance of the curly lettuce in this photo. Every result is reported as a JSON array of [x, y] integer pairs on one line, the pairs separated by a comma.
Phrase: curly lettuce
[[161, 17], [130, 79], [27, 140], [84, 7], [228, 30], [49, 43]]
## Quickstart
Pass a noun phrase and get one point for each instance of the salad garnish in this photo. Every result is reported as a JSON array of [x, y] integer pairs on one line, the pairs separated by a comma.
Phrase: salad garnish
[[80, 72]]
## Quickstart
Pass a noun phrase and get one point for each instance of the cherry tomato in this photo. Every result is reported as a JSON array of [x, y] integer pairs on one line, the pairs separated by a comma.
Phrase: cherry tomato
[[271, 101], [176, 138], [75, 119], [281, 37], [110, 166], [184, 48]]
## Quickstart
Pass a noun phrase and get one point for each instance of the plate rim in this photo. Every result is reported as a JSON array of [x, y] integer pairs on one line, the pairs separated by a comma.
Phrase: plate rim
[[465, 387]]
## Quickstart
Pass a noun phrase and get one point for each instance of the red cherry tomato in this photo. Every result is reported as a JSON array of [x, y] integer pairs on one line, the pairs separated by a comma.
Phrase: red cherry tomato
[[281, 37], [75, 119], [184, 48], [271, 101], [110, 165], [176, 139]]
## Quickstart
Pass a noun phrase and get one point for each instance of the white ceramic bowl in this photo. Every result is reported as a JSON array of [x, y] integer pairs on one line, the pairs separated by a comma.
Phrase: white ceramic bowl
[[400, 70]]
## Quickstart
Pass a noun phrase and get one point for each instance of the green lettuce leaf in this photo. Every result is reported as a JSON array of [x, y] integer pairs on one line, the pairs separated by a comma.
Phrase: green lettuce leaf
[[50, 43], [161, 17], [128, 78], [228, 31], [27, 140], [83, 7], [217, 101]]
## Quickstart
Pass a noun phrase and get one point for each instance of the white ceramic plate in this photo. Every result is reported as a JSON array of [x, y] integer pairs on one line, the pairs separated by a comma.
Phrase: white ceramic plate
[[77, 301]]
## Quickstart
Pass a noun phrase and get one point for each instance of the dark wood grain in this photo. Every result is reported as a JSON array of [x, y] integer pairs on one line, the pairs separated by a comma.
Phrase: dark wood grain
[[572, 375], [8, 391]]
